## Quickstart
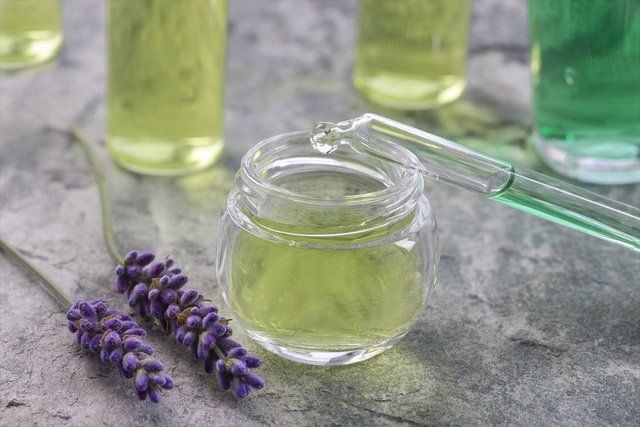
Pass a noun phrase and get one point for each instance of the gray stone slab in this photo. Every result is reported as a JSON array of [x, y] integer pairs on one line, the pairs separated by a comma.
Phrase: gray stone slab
[[530, 323]]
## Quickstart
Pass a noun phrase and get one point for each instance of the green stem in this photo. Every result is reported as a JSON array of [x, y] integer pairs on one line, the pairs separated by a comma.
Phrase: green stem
[[102, 192], [63, 300]]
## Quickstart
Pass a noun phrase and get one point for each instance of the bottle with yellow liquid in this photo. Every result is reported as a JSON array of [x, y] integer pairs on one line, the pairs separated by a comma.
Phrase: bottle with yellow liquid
[[166, 84], [412, 54], [30, 33]]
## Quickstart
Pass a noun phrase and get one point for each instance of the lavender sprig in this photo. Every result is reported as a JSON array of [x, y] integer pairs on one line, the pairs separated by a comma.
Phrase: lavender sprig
[[98, 328], [155, 289], [119, 340]]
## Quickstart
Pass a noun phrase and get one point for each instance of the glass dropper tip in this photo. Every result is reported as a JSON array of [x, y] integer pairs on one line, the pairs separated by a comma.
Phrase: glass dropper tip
[[325, 137]]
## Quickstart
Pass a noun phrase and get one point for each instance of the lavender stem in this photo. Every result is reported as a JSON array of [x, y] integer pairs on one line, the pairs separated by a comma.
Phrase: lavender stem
[[109, 240], [62, 299]]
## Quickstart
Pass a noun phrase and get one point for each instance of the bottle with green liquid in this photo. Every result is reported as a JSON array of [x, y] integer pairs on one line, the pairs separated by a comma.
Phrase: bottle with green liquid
[[411, 54], [166, 84], [585, 65], [30, 33]]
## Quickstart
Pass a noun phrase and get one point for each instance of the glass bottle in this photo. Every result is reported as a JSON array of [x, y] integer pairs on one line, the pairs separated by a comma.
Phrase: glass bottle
[[585, 66], [411, 54], [30, 33], [166, 84]]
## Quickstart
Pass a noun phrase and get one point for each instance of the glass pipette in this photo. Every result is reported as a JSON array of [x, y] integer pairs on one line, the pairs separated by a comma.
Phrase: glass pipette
[[453, 164]]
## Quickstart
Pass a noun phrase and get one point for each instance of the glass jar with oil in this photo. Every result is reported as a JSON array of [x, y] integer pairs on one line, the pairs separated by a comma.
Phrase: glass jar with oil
[[411, 54], [326, 260], [165, 91]]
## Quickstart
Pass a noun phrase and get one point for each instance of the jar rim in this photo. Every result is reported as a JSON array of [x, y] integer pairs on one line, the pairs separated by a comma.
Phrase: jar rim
[[408, 185]]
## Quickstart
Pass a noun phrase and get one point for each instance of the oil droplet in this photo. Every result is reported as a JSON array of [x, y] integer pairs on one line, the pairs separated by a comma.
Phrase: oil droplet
[[323, 137]]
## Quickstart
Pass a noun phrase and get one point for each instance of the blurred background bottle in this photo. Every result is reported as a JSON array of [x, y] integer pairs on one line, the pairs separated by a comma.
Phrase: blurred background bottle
[[411, 54], [30, 33], [166, 84], [585, 62]]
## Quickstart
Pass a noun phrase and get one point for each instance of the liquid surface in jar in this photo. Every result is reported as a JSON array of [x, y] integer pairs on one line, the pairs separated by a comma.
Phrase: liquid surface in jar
[[331, 294]]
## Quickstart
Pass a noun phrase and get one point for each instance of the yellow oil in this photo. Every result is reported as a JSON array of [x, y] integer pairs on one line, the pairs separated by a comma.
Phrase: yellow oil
[[166, 84], [30, 33], [412, 53], [326, 294]]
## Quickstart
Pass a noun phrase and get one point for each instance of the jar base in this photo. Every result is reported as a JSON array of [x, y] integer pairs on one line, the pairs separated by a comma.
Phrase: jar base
[[587, 165], [323, 358]]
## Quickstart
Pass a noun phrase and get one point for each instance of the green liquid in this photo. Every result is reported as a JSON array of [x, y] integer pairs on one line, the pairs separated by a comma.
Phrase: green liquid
[[586, 73], [165, 87], [412, 53], [30, 33], [331, 293]]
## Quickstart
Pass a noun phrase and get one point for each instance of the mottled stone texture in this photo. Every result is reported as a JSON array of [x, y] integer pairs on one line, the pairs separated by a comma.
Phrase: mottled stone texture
[[530, 324]]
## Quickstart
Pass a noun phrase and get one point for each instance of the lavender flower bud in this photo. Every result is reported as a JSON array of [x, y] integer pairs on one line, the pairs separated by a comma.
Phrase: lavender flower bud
[[151, 365], [142, 382], [238, 368], [154, 270], [154, 396], [154, 294], [133, 271], [74, 314], [145, 258], [189, 338], [168, 296], [94, 344], [112, 340], [129, 362], [194, 322], [208, 341], [172, 311], [242, 390], [130, 257], [182, 330], [210, 319], [177, 281], [168, 383], [189, 297], [237, 352], [131, 344], [218, 329], [253, 380], [252, 361], [116, 356], [87, 311]]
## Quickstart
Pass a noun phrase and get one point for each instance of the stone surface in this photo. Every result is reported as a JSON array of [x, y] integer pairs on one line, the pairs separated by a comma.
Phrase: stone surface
[[530, 324]]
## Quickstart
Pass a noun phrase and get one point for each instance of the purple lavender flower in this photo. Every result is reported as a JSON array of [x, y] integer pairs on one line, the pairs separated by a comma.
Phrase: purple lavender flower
[[155, 290], [119, 340]]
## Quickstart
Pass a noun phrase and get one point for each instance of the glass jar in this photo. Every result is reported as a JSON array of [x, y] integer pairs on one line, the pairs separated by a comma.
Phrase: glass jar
[[326, 259]]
